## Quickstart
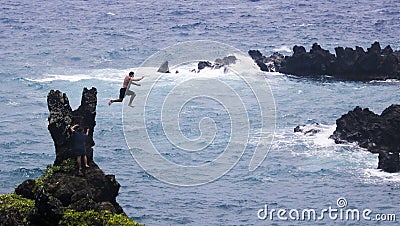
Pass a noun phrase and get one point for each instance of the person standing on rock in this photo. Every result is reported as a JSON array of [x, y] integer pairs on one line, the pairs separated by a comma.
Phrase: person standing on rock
[[129, 79], [79, 145]]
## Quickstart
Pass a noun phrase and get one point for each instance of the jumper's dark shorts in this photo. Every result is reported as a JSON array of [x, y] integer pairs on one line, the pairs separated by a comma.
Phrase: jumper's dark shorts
[[79, 152], [122, 92]]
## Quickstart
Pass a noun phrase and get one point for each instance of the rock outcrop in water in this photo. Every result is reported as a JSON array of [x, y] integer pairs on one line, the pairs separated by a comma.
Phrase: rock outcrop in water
[[309, 130], [269, 64], [62, 117], [347, 64], [377, 133], [164, 68], [218, 63], [60, 195]]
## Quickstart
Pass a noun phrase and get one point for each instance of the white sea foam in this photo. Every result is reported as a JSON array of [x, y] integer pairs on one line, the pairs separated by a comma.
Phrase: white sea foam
[[357, 160], [110, 75], [320, 138], [244, 68], [385, 81], [185, 71], [377, 176], [283, 49], [12, 103]]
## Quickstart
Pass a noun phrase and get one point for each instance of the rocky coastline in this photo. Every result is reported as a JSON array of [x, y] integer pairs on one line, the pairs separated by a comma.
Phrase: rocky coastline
[[62, 196], [379, 134], [346, 64]]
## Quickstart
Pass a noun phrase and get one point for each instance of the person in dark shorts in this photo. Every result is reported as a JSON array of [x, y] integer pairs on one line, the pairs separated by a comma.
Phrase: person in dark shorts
[[129, 79], [79, 146]]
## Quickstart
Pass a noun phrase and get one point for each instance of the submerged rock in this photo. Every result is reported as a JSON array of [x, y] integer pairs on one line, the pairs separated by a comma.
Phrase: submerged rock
[[310, 129], [377, 133]]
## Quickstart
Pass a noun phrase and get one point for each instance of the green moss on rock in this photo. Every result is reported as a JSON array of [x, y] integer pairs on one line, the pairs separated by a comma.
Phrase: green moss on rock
[[14, 209], [91, 217], [67, 166]]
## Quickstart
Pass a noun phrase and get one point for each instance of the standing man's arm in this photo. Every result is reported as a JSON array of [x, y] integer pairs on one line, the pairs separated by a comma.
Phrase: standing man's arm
[[73, 127]]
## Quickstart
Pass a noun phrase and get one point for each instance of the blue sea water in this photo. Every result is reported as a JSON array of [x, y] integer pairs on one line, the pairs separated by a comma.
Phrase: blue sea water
[[68, 45]]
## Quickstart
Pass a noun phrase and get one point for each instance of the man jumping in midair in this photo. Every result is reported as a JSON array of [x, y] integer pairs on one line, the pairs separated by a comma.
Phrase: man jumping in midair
[[129, 79]]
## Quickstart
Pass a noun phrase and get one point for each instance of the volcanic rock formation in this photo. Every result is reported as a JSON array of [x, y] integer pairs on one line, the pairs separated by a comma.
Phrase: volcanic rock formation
[[377, 133], [348, 64], [61, 188]]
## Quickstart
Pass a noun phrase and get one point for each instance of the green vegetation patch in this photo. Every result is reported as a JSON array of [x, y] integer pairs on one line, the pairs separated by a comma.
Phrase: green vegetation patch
[[66, 166], [91, 217], [15, 209]]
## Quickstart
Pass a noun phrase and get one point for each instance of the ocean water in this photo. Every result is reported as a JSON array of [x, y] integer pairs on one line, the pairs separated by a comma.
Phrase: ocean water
[[68, 45]]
